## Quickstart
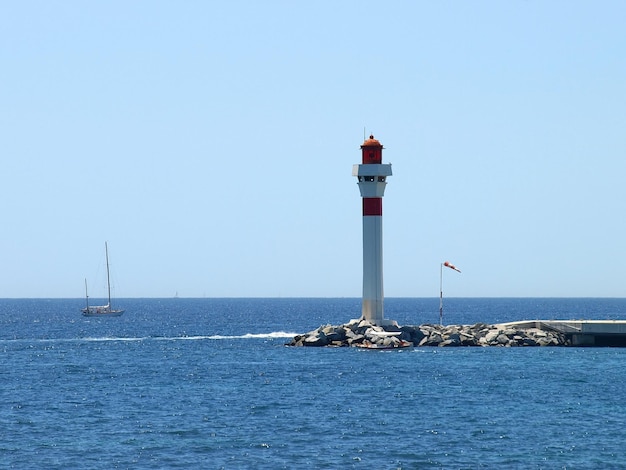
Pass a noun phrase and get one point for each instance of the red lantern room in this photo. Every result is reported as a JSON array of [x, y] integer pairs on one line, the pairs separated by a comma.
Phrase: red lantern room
[[372, 151]]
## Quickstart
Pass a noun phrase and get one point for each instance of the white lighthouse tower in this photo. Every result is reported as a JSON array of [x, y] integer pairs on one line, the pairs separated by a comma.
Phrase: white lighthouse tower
[[372, 175]]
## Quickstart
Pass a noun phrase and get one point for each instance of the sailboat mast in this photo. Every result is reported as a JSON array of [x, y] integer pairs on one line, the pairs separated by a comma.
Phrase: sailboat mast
[[86, 295], [106, 250]]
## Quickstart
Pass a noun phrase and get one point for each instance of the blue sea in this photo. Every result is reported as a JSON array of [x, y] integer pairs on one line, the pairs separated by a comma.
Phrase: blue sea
[[208, 383]]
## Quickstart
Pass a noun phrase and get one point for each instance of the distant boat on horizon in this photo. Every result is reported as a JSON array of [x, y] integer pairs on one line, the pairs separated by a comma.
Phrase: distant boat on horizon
[[101, 310]]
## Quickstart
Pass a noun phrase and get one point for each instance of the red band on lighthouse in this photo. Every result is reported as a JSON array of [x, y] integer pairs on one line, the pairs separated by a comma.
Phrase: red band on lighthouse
[[372, 206]]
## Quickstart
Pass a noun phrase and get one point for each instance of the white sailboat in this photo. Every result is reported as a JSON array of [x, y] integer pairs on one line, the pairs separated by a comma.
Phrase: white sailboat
[[101, 310]]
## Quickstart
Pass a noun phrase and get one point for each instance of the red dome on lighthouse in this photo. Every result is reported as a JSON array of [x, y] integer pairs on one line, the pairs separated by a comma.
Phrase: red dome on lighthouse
[[371, 142]]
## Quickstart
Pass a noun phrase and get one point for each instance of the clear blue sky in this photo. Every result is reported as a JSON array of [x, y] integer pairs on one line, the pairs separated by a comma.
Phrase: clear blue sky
[[211, 144]]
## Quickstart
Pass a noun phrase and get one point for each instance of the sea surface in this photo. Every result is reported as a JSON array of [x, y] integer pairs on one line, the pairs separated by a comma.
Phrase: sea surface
[[208, 383]]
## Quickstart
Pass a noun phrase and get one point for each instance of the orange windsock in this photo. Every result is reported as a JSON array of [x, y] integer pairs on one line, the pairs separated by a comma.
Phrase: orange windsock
[[448, 264]]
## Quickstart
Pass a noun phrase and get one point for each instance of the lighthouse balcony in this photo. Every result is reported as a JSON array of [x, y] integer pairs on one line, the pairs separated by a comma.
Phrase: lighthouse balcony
[[372, 169]]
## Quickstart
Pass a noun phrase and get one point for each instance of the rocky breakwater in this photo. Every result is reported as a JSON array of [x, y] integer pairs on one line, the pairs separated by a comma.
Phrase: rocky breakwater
[[360, 333]]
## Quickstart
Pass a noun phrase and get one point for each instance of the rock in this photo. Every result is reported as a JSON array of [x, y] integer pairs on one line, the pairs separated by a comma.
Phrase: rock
[[491, 336], [415, 335], [468, 339], [423, 341], [316, 340], [502, 339], [450, 342]]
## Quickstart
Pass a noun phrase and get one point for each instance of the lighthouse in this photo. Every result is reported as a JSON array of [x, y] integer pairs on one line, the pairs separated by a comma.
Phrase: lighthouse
[[372, 179]]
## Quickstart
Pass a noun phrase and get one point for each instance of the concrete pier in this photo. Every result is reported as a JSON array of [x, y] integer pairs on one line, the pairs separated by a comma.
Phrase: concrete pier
[[581, 332]]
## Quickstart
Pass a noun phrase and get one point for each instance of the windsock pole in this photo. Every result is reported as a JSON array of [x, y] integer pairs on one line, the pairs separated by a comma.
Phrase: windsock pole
[[441, 294], [447, 264]]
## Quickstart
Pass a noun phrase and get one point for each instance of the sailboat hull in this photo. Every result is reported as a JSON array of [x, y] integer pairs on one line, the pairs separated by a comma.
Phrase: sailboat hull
[[103, 311], [113, 313]]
